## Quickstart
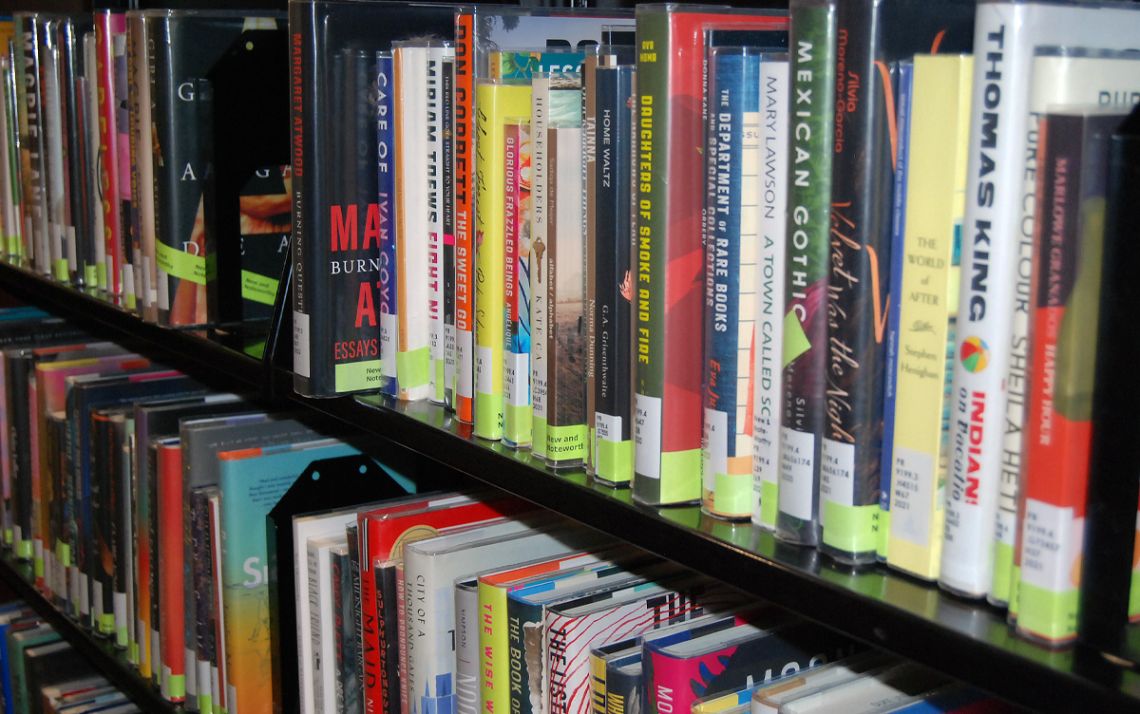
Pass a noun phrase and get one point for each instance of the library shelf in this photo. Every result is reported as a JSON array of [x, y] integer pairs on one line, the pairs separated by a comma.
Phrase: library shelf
[[99, 651], [967, 640]]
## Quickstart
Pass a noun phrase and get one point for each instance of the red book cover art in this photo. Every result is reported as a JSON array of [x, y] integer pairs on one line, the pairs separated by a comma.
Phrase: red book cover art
[[171, 609], [383, 534]]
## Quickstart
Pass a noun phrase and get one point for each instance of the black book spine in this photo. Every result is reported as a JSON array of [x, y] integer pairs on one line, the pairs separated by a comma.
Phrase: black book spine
[[77, 238], [103, 557], [203, 584], [121, 547], [354, 688], [17, 368], [613, 445], [336, 221], [155, 612]]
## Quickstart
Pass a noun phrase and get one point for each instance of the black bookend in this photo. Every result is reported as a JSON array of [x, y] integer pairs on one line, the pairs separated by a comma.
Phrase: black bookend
[[326, 485], [248, 116], [1114, 477]]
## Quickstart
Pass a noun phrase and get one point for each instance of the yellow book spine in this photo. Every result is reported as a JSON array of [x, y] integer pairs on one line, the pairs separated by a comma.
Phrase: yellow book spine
[[935, 204], [494, 674], [495, 103], [597, 684]]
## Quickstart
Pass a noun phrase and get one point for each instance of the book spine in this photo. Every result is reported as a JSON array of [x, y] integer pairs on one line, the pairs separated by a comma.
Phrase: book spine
[[371, 640], [812, 70], [935, 175], [597, 683], [13, 201], [891, 340], [539, 271], [386, 201], [340, 641], [589, 75], [526, 656], [413, 351], [172, 614], [95, 268], [102, 553], [150, 157], [516, 286], [437, 56], [498, 636], [74, 234], [858, 289], [467, 672], [179, 249], [122, 147], [313, 588], [496, 104], [464, 133], [566, 433], [17, 374], [125, 631], [978, 404], [623, 690], [767, 353], [1063, 320], [202, 580], [732, 153], [387, 605], [354, 665], [667, 435], [32, 147], [78, 237], [109, 30], [447, 213], [56, 177], [612, 445]]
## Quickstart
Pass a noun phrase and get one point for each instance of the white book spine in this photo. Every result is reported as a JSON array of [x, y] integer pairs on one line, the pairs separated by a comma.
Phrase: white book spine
[[413, 230], [466, 650], [1005, 35], [312, 596], [539, 269], [769, 297], [437, 55], [53, 135]]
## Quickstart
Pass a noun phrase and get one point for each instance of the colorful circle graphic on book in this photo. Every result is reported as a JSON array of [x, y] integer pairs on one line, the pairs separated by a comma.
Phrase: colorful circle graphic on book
[[975, 354]]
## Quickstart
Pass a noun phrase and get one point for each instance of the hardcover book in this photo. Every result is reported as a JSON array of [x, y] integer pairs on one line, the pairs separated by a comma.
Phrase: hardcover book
[[498, 104], [810, 149], [932, 198], [732, 212], [767, 354], [608, 270]]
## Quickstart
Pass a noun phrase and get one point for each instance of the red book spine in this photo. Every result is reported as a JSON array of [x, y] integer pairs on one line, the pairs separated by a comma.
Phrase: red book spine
[[170, 593], [109, 25], [464, 128]]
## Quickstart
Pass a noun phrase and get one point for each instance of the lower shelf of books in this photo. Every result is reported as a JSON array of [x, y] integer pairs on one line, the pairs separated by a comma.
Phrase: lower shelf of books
[[103, 674]]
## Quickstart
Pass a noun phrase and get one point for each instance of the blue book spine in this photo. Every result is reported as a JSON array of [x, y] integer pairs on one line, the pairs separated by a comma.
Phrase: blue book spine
[[898, 230], [386, 174], [732, 148]]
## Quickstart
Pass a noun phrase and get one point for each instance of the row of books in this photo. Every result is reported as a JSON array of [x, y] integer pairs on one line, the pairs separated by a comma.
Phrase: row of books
[[120, 178], [41, 673], [505, 613], [753, 261], [757, 260]]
